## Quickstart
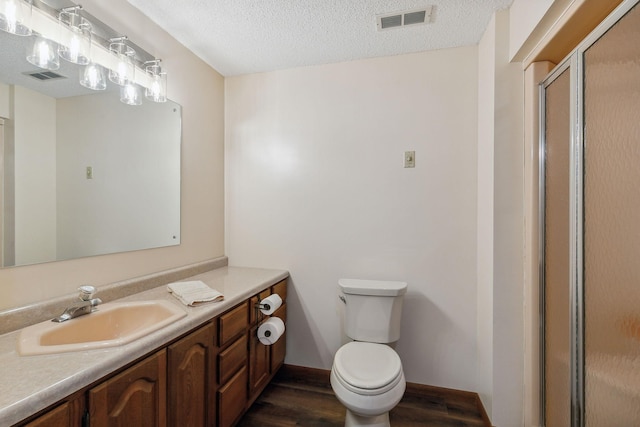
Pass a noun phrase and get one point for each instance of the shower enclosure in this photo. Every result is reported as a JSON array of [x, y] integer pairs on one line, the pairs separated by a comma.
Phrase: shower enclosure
[[590, 229]]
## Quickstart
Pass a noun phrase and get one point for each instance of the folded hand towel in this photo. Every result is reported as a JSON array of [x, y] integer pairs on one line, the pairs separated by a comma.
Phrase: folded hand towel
[[194, 293]]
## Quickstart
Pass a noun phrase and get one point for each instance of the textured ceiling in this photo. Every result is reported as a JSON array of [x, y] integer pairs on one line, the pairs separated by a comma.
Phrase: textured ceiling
[[248, 36]]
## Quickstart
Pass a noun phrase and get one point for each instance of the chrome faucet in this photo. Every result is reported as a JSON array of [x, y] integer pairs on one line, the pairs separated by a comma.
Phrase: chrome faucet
[[86, 305]]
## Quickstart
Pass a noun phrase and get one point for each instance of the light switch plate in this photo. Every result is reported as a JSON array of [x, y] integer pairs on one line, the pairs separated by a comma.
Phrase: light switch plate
[[409, 159]]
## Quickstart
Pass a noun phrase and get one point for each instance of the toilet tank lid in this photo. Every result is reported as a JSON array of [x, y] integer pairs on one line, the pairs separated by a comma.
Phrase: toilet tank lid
[[372, 287]]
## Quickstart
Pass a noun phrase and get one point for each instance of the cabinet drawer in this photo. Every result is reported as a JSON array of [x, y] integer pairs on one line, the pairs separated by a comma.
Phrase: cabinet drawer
[[233, 323], [231, 359], [232, 399]]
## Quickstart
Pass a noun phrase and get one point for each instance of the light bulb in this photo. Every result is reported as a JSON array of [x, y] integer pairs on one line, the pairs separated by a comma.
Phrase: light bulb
[[75, 36], [92, 77], [15, 17], [157, 90], [43, 54], [122, 73], [10, 9], [130, 94]]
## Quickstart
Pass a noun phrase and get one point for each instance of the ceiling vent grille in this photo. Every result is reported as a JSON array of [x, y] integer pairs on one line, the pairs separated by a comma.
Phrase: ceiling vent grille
[[388, 21], [44, 75]]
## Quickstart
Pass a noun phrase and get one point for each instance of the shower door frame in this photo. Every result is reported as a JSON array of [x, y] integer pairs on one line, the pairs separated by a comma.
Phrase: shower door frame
[[575, 63]]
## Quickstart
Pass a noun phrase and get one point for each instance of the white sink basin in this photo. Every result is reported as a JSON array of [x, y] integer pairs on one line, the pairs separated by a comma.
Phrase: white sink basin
[[113, 324]]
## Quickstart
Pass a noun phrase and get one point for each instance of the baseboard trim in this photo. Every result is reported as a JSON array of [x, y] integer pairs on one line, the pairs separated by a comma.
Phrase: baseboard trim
[[322, 377]]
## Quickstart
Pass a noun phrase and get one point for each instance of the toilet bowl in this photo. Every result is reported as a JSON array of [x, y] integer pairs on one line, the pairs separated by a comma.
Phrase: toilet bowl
[[367, 378]]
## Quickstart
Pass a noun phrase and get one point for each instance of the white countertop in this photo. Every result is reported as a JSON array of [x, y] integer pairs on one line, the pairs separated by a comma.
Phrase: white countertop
[[29, 384]]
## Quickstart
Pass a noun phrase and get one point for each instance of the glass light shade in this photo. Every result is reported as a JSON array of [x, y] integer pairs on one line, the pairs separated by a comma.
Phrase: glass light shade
[[92, 76], [123, 72], [43, 54], [15, 17], [75, 37], [130, 94], [157, 91]]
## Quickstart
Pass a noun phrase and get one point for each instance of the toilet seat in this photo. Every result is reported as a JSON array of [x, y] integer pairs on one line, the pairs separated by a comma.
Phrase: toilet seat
[[367, 368]]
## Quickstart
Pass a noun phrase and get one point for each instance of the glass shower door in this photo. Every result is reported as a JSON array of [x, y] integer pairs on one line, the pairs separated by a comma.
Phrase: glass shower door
[[612, 226]]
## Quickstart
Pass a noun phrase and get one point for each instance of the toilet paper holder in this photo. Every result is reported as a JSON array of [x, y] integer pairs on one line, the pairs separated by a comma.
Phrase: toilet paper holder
[[261, 306], [269, 305]]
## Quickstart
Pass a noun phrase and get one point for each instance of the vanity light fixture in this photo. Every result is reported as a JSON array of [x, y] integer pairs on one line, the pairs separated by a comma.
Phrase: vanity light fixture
[[157, 89], [15, 17], [73, 40], [44, 53], [75, 36], [122, 73]]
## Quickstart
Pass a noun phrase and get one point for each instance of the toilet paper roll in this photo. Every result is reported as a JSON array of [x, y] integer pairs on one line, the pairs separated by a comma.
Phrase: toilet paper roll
[[270, 330], [270, 304]]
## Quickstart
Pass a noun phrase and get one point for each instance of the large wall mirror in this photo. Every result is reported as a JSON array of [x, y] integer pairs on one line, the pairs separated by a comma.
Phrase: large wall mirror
[[81, 173]]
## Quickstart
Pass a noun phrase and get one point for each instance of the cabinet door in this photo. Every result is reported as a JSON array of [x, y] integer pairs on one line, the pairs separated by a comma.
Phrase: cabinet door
[[259, 364], [135, 397], [279, 349], [68, 414], [192, 379]]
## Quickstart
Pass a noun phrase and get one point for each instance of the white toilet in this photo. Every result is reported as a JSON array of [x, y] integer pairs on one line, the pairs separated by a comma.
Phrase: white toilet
[[367, 375]]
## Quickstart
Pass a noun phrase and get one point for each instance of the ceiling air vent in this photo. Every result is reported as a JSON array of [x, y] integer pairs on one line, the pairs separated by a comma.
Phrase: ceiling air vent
[[403, 19], [44, 75]]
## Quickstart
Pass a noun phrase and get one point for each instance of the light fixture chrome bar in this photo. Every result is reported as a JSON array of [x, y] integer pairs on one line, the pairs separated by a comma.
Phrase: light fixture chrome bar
[[72, 8]]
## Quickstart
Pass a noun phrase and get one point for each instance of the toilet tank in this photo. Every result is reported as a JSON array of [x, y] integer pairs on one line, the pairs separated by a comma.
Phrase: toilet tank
[[373, 309]]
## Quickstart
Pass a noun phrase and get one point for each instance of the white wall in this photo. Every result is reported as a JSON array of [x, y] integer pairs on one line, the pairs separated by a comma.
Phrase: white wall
[[35, 176], [315, 184], [5, 101], [485, 256], [508, 292], [200, 91], [135, 189], [500, 227], [525, 15]]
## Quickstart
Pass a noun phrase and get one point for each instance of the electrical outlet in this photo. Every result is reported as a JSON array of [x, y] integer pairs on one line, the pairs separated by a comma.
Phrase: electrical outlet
[[409, 159]]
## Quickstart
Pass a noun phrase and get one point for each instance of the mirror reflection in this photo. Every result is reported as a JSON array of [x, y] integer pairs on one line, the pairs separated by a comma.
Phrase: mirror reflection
[[81, 173]]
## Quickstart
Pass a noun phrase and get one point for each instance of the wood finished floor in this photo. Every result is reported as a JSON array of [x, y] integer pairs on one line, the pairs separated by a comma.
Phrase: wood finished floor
[[310, 402]]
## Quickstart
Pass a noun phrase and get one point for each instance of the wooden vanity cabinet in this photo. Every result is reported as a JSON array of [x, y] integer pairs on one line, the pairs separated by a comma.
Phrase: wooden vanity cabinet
[[135, 397], [209, 377]]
